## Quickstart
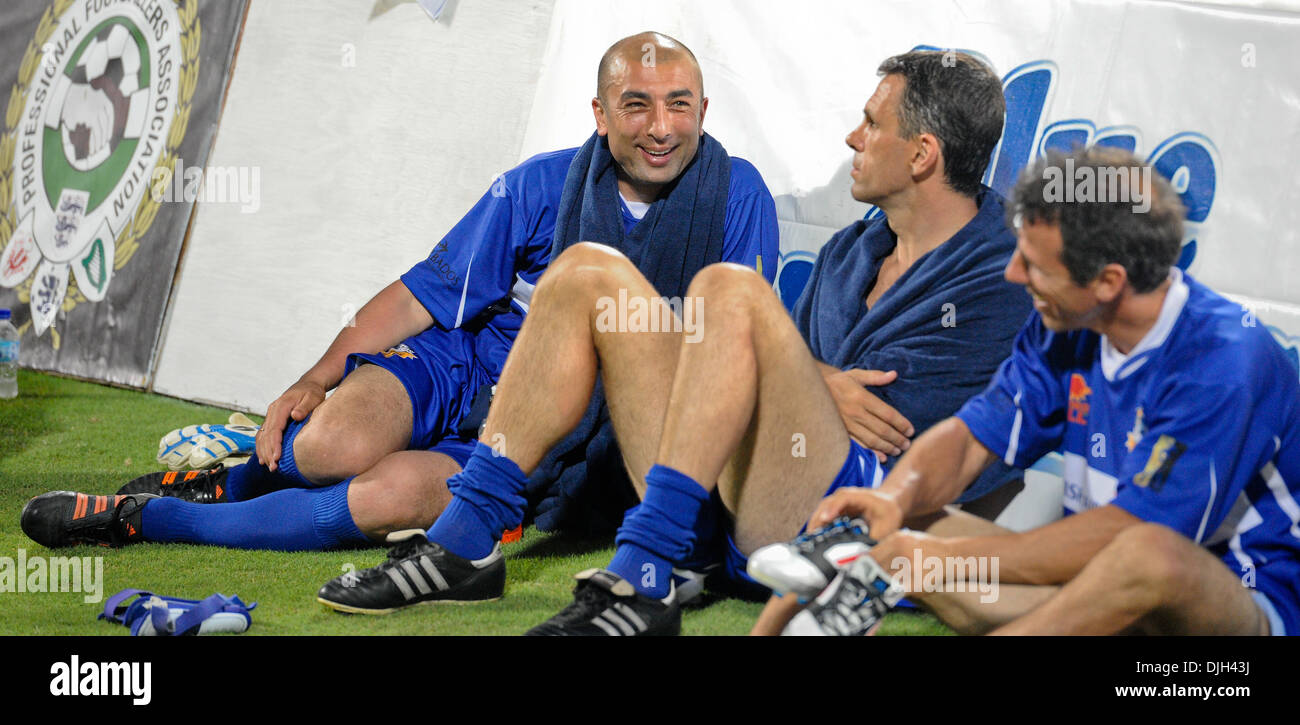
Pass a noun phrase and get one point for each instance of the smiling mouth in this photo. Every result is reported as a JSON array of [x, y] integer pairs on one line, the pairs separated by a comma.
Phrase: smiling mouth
[[656, 158]]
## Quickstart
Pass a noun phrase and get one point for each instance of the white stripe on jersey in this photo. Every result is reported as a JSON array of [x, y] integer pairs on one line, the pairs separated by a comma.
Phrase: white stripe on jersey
[[460, 313], [1214, 492], [1232, 523], [1249, 521], [1285, 500], [1014, 443]]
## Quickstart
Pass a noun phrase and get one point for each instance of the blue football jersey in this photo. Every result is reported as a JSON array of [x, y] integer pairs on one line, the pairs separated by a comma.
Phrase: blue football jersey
[[502, 246], [1195, 428]]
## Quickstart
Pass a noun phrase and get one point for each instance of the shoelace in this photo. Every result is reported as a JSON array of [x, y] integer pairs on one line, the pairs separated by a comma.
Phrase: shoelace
[[194, 484], [405, 549], [590, 600], [810, 540]]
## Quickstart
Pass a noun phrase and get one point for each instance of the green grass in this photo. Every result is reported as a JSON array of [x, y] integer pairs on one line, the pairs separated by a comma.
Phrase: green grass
[[67, 434]]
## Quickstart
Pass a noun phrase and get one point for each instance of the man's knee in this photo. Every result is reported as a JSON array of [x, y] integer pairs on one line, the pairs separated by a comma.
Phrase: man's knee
[[728, 281], [368, 417], [1152, 559], [330, 446], [587, 268]]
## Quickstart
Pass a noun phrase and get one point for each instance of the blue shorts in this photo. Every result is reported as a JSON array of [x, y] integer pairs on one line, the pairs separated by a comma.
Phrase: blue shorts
[[1277, 601], [441, 375], [861, 469]]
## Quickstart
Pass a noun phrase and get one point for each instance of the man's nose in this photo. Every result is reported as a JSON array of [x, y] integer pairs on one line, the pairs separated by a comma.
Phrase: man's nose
[[1014, 270], [659, 127], [854, 139]]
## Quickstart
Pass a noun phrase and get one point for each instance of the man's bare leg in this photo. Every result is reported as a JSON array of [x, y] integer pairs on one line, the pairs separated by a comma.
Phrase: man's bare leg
[[551, 372], [546, 386], [749, 411], [405, 490], [1152, 580], [972, 612], [368, 417]]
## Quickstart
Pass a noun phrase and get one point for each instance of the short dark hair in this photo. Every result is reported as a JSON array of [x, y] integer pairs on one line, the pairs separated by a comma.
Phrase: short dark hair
[[1104, 228], [958, 99]]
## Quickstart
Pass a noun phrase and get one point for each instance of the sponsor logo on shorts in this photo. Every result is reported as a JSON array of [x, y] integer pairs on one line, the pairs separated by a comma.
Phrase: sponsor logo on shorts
[[401, 351]]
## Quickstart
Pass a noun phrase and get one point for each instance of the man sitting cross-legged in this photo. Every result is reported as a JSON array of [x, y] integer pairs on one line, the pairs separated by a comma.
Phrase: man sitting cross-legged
[[375, 456], [740, 402], [1179, 420]]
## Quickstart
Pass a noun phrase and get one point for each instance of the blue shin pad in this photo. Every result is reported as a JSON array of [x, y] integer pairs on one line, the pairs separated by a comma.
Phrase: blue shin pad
[[151, 615]]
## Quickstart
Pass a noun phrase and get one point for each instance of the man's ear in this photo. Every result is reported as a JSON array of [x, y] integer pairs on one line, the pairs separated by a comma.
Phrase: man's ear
[[1110, 283], [598, 110], [926, 159], [704, 106]]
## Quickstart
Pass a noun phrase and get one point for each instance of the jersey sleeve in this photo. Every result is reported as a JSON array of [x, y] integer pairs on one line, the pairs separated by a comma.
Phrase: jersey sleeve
[[1195, 457], [474, 264], [750, 233], [1021, 415]]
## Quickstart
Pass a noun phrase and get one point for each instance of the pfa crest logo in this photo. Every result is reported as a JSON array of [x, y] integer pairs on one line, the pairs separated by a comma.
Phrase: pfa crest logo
[[102, 98]]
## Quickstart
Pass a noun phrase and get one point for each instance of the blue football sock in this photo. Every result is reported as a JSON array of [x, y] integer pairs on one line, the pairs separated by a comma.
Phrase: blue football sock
[[660, 532], [487, 499], [251, 479], [288, 466], [295, 519], [649, 573]]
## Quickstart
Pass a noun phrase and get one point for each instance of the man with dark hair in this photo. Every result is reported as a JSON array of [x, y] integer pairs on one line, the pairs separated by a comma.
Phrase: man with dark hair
[[376, 456], [1179, 420], [949, 95], [732, 434]]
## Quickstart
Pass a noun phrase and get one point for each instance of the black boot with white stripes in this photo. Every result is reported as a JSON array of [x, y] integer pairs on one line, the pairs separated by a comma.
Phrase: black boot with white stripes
[[416, 572], [606, 604]]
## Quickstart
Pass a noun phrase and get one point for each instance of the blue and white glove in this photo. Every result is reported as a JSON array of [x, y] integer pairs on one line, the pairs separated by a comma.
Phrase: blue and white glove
[[206, 446]]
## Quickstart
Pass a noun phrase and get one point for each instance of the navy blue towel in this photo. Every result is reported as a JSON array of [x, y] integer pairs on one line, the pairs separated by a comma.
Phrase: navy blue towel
[[945, 325], [680, 234]]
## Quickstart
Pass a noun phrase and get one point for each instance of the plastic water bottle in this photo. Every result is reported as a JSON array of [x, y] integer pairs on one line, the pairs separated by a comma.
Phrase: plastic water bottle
[[8, 357]]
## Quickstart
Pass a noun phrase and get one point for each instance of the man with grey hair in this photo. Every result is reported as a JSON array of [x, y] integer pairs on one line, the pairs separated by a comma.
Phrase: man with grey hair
[[1178, 417]]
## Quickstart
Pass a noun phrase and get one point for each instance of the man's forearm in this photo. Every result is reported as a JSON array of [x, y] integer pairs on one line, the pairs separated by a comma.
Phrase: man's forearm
[[1049, 555], [938, 466], [388, 318]]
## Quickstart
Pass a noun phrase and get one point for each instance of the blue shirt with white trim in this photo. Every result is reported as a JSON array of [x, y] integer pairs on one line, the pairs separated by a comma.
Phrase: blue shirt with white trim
[[502, 246], [1196, 428]]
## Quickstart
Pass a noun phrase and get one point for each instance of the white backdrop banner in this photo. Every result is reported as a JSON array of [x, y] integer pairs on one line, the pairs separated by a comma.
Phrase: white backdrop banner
[[374, 129], [1208, 94]]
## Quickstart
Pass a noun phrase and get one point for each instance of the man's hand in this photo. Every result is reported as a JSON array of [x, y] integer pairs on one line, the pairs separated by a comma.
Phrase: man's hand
[[868, 419], [297, 402], [880, 509]]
